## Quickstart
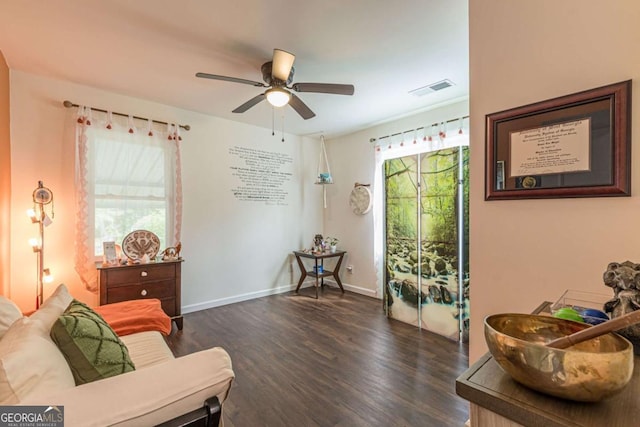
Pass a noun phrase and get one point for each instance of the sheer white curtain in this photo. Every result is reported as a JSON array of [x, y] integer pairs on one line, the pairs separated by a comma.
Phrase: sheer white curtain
[[452, 133], [127, 178]]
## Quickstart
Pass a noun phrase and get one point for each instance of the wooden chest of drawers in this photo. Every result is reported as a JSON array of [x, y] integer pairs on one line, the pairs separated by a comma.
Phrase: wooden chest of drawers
[[159, 280]]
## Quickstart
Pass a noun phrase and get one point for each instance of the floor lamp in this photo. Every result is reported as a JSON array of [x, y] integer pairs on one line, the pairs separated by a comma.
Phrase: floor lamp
[[42, 196]]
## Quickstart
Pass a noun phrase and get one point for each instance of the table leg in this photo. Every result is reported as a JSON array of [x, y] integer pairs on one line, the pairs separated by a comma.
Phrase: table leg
[[316, 278], [336, 272], [179, 322], [303, 272]]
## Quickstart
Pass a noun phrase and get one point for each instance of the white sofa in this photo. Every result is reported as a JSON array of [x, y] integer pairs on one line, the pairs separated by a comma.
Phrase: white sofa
[[33, 371]]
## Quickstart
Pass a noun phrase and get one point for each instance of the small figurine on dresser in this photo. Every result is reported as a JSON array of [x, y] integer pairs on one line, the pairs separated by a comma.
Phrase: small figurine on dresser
[[172, 253]]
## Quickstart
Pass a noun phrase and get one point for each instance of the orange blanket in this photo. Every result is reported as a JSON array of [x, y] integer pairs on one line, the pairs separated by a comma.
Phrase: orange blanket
[[129, 317]]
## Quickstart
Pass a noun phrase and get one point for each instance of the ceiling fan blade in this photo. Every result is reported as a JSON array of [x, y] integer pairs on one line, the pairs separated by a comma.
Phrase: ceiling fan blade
[[301, 108], [281, 64], [230, 79], [337, 89], [250, 103]]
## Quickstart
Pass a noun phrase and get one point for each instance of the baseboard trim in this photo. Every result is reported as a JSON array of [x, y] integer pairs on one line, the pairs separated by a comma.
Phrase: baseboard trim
[[236, 298], [266, 292], [358, 290]]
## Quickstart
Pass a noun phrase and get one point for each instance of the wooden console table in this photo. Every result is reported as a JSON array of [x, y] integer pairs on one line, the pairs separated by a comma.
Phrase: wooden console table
[[498, 401], [314, 273]]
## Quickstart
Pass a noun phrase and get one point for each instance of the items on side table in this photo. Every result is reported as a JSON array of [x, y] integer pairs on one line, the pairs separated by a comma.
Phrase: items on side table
[[497, 399], [602, 369], [624, 279], [591, 307], [587, 371]]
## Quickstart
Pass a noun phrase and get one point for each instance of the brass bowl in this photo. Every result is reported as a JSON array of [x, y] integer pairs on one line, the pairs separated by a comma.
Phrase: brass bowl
[[586, 372]]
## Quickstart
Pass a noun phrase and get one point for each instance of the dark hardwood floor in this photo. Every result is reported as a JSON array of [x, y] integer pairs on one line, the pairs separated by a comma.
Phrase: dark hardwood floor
[[335, 361]]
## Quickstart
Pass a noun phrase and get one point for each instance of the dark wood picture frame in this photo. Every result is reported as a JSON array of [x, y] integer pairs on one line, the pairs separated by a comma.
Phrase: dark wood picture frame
[[603, 116]]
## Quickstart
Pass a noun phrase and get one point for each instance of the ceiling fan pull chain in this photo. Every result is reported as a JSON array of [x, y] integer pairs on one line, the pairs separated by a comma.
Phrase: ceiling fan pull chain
[[273, 121], [283, 128]]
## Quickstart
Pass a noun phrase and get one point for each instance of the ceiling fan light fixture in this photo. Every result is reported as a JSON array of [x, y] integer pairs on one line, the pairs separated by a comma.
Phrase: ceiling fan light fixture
[[278, 97]]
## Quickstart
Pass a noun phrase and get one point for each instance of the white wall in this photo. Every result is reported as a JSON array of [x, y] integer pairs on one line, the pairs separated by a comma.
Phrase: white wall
[[233, 250], [352, 160], [527, 251]]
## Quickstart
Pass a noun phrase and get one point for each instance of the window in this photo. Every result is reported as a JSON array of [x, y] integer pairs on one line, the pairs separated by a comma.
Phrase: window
[[132, 188], [125, 181]]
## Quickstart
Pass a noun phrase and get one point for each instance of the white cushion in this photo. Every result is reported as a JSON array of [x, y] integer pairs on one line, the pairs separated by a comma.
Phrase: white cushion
[[9, 313], [52, 308], [147, 348], [146, 397], [30, 363]]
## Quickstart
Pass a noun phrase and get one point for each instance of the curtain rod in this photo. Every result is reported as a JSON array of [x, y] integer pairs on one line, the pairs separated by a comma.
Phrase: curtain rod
[[416, 129], [70, 104]]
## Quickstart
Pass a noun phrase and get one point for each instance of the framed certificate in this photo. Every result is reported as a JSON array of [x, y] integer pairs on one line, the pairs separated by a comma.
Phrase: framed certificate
[[577, 145]]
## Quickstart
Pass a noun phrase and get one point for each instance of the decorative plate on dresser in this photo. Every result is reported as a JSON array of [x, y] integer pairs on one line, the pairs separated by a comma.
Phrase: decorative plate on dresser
[[140, 243]]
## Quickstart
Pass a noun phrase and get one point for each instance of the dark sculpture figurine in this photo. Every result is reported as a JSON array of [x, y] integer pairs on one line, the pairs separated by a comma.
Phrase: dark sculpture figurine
[[624, 278], [318, 241]]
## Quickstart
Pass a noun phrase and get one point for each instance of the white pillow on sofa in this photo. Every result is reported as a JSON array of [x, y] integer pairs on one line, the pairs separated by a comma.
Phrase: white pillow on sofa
[[52, 307], [29, 359], [30, 362], [9, 313]]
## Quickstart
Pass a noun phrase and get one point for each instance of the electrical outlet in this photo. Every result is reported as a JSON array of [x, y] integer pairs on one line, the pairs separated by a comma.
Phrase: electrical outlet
[[350, 269]]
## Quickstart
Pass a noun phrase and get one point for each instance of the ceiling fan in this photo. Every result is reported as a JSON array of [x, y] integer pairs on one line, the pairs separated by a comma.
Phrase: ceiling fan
[[278, 75]]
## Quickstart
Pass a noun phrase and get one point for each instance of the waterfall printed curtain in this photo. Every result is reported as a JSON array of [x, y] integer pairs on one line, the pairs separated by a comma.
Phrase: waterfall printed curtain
[[426, 259], [447, 298]]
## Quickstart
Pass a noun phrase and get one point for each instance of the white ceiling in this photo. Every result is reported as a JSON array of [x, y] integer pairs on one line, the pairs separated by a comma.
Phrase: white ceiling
[[151, 49]]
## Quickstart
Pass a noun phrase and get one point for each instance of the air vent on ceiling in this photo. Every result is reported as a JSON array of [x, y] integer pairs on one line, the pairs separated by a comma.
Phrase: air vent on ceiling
[[433, 87]]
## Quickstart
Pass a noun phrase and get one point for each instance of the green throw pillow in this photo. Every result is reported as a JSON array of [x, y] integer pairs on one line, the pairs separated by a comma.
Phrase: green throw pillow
[[92, 349]]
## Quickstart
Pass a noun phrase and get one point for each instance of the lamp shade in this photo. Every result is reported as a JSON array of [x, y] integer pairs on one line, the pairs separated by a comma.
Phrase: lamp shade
[[278, 96]]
